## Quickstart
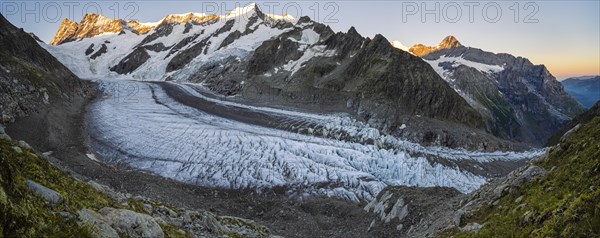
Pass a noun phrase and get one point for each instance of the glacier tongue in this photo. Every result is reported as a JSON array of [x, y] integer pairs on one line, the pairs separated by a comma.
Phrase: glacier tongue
[[152, 132]]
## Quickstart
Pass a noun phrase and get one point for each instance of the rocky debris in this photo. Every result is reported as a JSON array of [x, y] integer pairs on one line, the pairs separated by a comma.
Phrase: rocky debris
[[213, 225], [47, 194], [196, 223], [379, 206], [132, 223], [101, 227], [414, 212]]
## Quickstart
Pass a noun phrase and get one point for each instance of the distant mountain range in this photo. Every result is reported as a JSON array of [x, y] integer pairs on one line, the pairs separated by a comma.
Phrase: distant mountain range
[[446, 95], [585, 89]]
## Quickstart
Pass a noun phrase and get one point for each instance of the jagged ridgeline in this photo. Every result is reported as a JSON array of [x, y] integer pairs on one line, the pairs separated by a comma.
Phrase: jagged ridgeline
[[280, 61], [519, 100]]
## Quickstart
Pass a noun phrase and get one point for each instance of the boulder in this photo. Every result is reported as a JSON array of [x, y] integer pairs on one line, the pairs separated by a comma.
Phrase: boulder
[[131, 223], [101, 228], [471, 227], [211, 223], [3, 135], [47, 194]]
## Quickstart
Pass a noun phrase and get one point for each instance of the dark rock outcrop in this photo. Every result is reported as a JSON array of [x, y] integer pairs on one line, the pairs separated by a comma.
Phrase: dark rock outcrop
[[133, 61]]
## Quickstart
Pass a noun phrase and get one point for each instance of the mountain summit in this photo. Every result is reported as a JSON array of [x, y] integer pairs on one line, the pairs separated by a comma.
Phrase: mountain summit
[[448, 43], [95, 25]]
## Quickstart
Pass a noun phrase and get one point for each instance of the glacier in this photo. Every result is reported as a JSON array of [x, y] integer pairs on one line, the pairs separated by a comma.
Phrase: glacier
[[152, 132]]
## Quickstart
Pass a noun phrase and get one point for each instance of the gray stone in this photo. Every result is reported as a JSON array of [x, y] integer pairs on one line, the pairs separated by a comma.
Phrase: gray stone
[[519, 199], [17, 149], [24, 144], [166, 211], [499, 190], [47, 194], [132, 223], [570, 133], [527, 217], [471, 227], [3, 135], [101, 228], [119, 197], [213, 225]]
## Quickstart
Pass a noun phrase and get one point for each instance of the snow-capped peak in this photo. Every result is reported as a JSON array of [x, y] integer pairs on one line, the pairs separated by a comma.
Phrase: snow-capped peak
[[246, 11], [447, 43], [399, 45]]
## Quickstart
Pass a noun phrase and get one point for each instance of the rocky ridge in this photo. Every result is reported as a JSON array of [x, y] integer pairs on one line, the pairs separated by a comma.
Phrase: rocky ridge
[[519, 100]]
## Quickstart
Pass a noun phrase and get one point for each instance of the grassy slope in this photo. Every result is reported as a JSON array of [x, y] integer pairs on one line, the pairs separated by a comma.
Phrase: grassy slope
[[562, 204], [23, 214]]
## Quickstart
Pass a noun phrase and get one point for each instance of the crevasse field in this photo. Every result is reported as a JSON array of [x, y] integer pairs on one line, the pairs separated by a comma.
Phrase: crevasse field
[[150, 131]]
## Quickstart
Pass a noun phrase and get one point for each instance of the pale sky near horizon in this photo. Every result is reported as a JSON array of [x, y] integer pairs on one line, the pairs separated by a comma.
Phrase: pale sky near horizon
[[563, 35]]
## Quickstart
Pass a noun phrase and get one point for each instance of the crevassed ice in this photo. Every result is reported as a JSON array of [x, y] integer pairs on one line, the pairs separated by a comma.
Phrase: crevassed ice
[[164, 137]]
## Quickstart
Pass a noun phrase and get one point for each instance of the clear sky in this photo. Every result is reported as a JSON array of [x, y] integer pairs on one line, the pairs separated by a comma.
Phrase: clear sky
[[563, 35]]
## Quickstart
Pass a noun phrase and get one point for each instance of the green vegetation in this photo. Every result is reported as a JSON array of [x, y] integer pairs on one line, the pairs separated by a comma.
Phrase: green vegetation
[[23, 214], [234, 221], [564, 203]]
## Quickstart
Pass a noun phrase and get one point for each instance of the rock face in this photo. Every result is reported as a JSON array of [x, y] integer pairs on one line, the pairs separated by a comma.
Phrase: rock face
[[586, 90], [520, 101], [302, 64], [29, 75]]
